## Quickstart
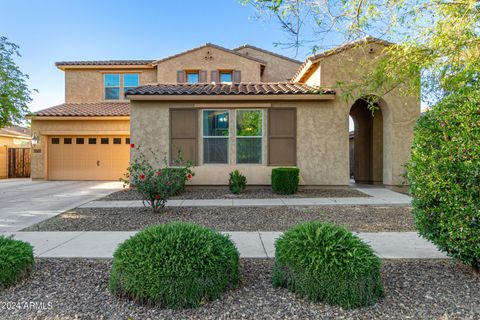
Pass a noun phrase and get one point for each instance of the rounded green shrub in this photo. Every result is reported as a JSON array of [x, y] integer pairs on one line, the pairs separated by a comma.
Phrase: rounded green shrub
[[237, 182], [444, 176], [175, 265], [325, 262], [285, 180], [16, 261]]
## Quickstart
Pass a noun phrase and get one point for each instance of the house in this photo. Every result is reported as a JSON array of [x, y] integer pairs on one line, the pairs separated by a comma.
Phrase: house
[[245, 108], [14, 152]]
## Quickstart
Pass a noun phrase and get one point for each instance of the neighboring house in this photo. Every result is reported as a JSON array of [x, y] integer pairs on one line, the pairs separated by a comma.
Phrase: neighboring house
[[12, 138], [247, 109]]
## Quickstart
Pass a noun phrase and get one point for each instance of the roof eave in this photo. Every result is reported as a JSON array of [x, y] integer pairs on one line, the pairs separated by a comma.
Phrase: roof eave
[[229, 97]]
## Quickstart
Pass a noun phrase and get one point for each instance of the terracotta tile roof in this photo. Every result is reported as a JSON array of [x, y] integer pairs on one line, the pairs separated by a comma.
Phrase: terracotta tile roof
[[87, 109], [246, 46], [212, 46], [266, 88], [103, 63], [15, 131]]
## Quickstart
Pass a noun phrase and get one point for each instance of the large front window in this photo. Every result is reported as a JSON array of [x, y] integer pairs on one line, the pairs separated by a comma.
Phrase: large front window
[[249, 136], [216, 133], [130, 81]]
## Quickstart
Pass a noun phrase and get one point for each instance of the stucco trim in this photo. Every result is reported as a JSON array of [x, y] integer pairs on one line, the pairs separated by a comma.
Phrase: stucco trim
[[14, 136], [84, 133], [269, 97], [110, 67], [232, 105]]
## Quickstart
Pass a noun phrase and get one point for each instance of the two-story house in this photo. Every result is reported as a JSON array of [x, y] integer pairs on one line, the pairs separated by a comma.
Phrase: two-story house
[[245, 108]]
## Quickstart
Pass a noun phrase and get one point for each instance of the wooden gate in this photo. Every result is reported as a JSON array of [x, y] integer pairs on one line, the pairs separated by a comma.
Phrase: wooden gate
[[19, 162]]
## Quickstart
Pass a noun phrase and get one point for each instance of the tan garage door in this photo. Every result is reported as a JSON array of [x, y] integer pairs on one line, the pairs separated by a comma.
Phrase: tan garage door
[[88, 157]]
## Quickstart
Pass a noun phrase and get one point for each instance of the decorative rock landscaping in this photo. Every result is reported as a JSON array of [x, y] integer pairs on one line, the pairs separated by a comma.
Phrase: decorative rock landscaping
[[414, 289], [355, 218]]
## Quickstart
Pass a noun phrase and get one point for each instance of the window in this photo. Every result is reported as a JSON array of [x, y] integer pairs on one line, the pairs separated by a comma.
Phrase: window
[[215, 136], [130, 81], [92, 140], [127, 140], [225, 76], [117, 140], [192, 76], [249, 136], [55, 140], [80, 141], [104, 140], [67, 140], [111, 82], [112, 86]]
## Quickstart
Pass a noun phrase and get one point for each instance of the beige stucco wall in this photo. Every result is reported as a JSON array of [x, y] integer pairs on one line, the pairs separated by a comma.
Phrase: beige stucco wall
[[399, 111], [46, 128], [86, 85], [277, 69], [208, 58], [318, 157]]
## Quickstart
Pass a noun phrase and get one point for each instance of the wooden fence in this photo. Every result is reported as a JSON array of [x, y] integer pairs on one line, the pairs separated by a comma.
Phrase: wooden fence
[[19, 162]]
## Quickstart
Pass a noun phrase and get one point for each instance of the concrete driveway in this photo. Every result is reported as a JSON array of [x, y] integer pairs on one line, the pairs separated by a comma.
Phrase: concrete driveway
[[24, 202]]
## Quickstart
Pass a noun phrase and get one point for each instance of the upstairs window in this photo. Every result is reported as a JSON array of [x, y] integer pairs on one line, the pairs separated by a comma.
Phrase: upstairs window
[[112, 86], [192, 77], [114, 83], [130, 81], [226, 77]]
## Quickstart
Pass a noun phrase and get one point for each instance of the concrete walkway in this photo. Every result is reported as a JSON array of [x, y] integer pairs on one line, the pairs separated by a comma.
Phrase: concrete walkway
[[379, 196], [388, 245], [24, 202]]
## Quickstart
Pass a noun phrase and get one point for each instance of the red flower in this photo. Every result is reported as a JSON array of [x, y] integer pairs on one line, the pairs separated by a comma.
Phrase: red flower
[[157, 197], [189, 176], [158, 173], [142, 176], [132, 145]]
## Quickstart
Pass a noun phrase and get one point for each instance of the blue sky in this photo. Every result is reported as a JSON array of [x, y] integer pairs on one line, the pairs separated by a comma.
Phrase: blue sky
[[54, 30]]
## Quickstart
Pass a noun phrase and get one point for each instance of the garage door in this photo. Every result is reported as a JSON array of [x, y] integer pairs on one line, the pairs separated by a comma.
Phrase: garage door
[[88, 157]]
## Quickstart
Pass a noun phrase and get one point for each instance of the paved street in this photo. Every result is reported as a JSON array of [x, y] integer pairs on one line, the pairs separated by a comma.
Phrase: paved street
[[24, 202]]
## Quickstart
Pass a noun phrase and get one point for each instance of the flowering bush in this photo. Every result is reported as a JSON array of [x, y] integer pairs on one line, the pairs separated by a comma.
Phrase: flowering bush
[[156, 185]]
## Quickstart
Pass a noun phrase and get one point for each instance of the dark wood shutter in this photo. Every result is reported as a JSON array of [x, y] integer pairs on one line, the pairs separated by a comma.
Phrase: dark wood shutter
[[180, 76], [237, 76], [214, 76], [282, 141], [183, 134], [202, 76]]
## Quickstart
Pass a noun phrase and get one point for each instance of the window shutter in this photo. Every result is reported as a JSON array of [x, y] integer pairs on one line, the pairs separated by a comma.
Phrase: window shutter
[[237, 76], [214, 76], [202, 77], [282, 141], [183, 134], [180, 76]]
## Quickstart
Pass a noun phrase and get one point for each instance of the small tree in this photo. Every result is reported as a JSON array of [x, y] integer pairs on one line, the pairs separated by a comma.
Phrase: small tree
[[14, 92], [444, 173], [156, 185]]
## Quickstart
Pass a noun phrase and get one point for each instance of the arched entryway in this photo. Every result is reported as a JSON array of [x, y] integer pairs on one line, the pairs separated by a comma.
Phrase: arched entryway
[[366, 140]]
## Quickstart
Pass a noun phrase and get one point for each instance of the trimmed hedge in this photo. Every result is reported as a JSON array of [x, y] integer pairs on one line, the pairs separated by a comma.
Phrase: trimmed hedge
[[175, 265], [285, 180], [444, 176], [16, 261], [325, 262]]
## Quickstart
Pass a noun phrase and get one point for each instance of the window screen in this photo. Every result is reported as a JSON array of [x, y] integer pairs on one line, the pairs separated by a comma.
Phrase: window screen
[[215, 136]]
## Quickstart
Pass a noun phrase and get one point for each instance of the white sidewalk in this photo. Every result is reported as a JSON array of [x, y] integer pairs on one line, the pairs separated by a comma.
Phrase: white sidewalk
[[388, 245], [378, 196]]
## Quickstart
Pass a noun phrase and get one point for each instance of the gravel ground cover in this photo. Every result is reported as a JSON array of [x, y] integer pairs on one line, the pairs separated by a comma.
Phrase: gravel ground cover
[[78, 289], [356, 218], [205, 192]]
